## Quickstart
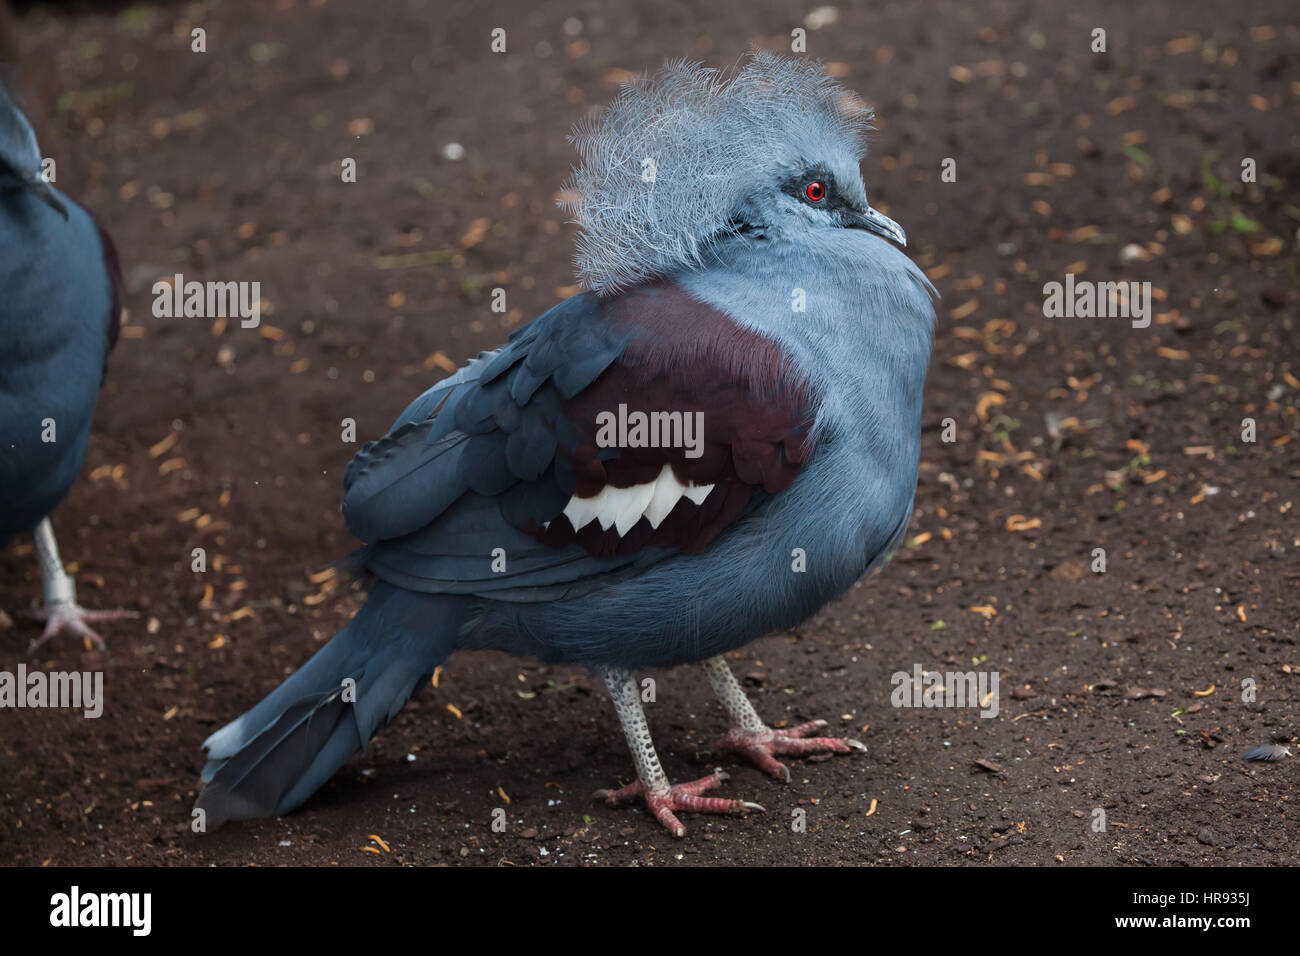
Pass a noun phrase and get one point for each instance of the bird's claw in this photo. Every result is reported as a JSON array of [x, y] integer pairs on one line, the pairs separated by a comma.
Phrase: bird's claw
[[668, 800], [762, 746], [69, 619]]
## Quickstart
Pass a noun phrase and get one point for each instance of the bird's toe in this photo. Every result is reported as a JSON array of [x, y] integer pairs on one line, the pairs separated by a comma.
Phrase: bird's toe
[[761, 747], [64, 619], [667, 800]]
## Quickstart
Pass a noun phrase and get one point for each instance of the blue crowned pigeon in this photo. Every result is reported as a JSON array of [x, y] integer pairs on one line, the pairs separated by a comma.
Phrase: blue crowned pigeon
[[713, 441], [59, 317]]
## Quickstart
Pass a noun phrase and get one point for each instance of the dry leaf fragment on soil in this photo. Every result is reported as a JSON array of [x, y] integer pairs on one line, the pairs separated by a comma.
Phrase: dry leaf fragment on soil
[[987, 400], [164, 446], [965, 309], [1140, 693], [478, 230], [440, 360], [616, 76]]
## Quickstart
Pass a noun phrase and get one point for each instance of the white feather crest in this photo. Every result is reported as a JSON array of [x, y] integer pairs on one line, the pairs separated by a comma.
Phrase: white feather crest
[[714, 138]]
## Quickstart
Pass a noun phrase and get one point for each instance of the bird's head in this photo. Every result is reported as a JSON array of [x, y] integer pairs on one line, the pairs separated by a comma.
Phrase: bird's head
[[692, 158], [20, 157]]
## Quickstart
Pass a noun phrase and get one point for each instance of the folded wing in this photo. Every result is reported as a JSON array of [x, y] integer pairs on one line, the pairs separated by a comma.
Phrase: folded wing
[[609, 434]]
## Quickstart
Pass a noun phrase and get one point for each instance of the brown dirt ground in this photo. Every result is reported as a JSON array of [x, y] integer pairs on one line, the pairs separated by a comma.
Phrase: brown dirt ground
[[225, 165]]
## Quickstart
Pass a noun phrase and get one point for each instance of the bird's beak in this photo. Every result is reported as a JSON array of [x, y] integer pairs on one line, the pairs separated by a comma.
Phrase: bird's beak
[[878, 223]]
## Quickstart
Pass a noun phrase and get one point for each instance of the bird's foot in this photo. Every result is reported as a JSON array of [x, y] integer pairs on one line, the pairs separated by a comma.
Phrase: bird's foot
[[762, 746], [666, 800], [69, 619]]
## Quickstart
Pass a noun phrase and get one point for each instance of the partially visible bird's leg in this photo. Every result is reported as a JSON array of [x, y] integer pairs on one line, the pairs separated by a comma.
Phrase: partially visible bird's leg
[[652, 783], [752, 738], [62, 614]]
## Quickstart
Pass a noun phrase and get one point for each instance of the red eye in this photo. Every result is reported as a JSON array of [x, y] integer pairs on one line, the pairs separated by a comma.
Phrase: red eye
[[816, 191]]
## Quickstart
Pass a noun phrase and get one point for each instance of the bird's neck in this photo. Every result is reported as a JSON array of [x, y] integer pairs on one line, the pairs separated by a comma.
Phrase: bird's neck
[[853, 313]]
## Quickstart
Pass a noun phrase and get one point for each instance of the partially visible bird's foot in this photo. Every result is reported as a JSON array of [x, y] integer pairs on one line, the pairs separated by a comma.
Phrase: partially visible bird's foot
[[69, 619], [666, 800], [761, 747]]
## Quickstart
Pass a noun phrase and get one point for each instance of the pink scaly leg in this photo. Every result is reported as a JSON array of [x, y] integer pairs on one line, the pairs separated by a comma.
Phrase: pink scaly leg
[[652, 786], [750, 737], [62, 614]]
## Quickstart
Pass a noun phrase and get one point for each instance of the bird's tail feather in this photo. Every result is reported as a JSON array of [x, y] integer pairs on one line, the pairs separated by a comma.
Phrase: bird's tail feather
[[271, 759]]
